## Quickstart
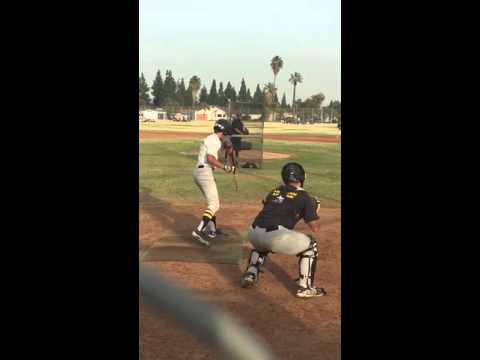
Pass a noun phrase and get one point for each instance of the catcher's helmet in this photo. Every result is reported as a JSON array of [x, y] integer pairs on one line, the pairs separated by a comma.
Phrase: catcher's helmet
[[222, 126], [293, 172]]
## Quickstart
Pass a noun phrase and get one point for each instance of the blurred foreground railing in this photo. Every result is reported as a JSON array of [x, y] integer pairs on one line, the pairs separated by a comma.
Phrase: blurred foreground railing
[[216, 328]]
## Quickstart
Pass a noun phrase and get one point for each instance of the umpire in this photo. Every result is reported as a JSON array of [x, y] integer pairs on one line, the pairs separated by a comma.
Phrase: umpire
[[237, 129]]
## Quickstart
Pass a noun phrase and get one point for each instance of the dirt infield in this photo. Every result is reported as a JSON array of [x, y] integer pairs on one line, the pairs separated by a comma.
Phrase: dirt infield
[[294, 328], [169, 135]]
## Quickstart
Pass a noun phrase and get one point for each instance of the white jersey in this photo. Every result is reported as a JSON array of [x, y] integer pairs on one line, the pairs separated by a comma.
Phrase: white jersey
[[210, 146]]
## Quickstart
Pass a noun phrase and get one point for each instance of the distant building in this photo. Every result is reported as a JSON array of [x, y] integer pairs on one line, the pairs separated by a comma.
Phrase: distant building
[[255, 116], [213, 113], [154, 115]]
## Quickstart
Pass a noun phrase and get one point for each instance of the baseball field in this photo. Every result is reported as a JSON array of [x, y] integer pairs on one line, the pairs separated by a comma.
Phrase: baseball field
[[171, 206]]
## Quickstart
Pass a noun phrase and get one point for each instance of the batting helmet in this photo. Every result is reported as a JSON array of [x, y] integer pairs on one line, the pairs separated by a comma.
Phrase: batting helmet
[[293, 172], [222, 126]]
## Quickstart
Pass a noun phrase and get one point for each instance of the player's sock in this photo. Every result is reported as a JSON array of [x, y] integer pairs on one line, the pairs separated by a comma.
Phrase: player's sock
[[206, 218]]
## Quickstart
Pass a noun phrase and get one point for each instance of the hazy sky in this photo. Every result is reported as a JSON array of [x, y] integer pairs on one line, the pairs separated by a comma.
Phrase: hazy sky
[[228, 41]]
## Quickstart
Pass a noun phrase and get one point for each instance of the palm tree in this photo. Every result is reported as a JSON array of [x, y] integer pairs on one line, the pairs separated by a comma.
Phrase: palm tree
[[195, 85], [276, 64], [319, 98], [295, 78], [269, 95]]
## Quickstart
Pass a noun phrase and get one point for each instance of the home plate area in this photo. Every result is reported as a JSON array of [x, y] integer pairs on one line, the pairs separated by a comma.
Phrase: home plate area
[[227, 248]]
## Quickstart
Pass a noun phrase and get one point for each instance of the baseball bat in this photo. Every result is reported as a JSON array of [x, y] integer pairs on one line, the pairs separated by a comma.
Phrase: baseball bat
[[235, 163]]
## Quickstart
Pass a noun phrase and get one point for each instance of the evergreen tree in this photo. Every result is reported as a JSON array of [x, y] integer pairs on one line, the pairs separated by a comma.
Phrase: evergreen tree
[[170, 86], [284, 101], [242, 94], [181, 92], [143, 91], [204, 95], [157, 90], [221, 96], [213, 97], [249, 96], [258, 96], [228, 91], [188, 98]]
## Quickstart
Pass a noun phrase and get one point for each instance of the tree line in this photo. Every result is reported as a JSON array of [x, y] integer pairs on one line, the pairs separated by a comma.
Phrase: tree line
[[169, 92]]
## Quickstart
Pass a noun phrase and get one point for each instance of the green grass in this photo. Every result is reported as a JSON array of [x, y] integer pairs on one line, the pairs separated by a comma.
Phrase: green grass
[[166, 174]]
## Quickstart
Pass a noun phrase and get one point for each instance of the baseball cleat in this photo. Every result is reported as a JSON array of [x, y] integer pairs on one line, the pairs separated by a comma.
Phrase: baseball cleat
[[248, 280], [197, 235], [212, 234], [310, 292]]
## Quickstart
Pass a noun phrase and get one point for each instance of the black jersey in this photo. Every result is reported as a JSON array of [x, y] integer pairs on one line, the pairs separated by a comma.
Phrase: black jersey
[[286, 205]]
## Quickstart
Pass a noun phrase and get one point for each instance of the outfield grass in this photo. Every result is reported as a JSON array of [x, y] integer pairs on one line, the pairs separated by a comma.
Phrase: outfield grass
[[270, 127], [167, 174]]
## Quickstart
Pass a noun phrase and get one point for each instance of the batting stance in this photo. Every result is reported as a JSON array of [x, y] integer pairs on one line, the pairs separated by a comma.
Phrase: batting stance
[[204, 179], [272, 231]]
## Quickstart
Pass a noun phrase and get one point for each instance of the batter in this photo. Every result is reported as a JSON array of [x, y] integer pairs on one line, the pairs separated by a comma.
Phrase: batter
[[203, 177]]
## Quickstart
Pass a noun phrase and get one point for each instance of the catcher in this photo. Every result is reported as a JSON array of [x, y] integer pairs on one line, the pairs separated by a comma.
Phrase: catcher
[[272, 231], [204, 179]]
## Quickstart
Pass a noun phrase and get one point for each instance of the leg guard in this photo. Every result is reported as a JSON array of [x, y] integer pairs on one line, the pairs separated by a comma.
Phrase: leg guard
[[307, 263], [256, 260]]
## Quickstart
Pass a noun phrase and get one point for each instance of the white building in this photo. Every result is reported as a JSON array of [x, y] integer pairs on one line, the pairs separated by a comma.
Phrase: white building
[[154, 115], [213, 113]]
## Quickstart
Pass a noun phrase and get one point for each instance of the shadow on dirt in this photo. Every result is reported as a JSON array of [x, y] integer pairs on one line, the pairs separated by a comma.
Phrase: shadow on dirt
[[265, 314], [170, 218]]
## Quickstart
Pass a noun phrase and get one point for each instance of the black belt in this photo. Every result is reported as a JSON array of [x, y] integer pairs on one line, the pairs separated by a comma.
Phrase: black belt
[[201, 166], [268, 228]]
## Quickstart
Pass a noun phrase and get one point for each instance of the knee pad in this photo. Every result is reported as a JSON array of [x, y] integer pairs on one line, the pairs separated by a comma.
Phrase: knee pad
[[307, 263]]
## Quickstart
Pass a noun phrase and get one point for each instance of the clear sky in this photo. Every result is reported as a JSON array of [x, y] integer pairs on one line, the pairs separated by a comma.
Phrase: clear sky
[[231, 40]]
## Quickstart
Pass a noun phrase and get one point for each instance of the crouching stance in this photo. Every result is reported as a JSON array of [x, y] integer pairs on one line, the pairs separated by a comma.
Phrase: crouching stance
[[203, 177], [272, 231]]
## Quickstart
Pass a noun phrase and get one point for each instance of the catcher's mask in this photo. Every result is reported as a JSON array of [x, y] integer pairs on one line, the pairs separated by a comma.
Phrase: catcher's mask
[[293, 172], [222, 126]]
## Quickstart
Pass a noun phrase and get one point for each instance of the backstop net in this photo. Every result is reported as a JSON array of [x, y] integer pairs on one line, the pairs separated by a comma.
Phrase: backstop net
[[250, 147]]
